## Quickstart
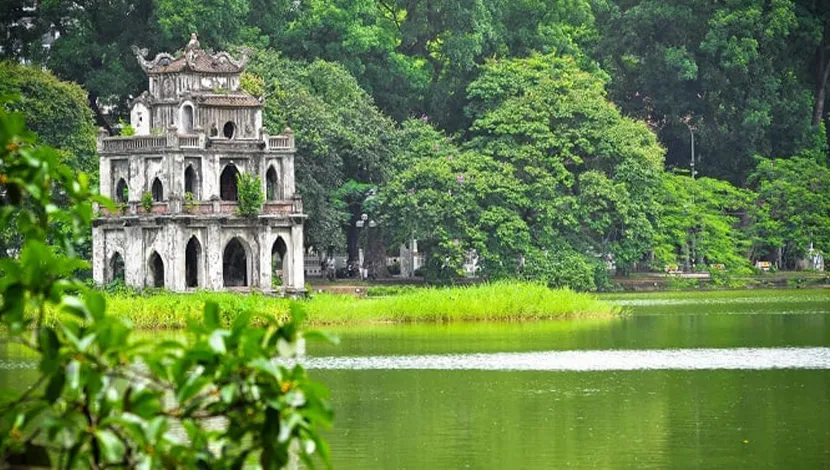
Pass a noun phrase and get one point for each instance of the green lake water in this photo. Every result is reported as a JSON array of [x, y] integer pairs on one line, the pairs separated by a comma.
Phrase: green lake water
[[736, 379]]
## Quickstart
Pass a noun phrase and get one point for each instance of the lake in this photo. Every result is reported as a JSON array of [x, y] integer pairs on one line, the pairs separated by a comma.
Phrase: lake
[[461, 402], [737, 379]]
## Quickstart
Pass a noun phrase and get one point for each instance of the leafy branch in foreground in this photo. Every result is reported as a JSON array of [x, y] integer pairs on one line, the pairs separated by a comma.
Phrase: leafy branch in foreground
[[104, 399]]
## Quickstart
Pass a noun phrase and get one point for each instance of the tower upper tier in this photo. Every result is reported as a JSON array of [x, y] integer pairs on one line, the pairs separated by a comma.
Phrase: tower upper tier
[[196, 91]]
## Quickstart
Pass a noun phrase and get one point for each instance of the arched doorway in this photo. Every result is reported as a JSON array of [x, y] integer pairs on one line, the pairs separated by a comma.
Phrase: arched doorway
[[187, 119], [278, 251], [235, 264], [190, 183], [158, 190], [228, 190], [156, 270], [116, 268], [192, 257], [121, 193], [271, 190]]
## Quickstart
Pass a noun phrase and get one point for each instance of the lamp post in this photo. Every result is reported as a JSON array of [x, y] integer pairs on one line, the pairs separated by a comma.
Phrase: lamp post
[[694, 234], [692, 135]]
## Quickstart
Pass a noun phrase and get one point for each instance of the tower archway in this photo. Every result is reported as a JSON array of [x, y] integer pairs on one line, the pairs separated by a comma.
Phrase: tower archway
[[158, 190], [271, 184], [191, 182], [235, 272], [156, 270], [116, 268], [121, 194], [192, 262], [228, 188], [278, 251]]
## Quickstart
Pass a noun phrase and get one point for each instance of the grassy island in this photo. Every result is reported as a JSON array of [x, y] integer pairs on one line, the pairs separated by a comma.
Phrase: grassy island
[[503, 301]]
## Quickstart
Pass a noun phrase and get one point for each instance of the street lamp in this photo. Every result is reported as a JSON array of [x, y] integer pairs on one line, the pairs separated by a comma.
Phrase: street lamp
[[692, 134]]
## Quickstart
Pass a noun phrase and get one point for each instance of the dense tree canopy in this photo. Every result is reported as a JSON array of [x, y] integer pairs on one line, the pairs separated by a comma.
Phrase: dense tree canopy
[[551, 167], [737, 74], [57, 112], [341, 136]]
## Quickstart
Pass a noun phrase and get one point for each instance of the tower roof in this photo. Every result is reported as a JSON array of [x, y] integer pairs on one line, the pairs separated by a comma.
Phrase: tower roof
[[193, 59]]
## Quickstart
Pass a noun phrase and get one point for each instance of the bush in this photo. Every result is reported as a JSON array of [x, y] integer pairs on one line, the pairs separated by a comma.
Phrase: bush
[[147, 201], [251, 197], [189, 202], [566, 268]]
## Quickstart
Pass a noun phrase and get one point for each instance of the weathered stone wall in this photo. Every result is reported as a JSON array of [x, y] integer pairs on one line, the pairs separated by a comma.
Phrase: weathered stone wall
[[169, 237]]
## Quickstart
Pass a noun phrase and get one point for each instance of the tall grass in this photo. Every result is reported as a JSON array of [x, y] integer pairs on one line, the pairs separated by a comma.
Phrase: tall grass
[[503, 301]]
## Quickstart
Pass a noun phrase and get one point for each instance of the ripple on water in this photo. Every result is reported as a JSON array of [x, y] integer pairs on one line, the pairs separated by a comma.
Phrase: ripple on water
[[607, 360]]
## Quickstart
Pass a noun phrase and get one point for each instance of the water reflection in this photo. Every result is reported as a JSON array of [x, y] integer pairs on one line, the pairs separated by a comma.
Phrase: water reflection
[[673, 359]]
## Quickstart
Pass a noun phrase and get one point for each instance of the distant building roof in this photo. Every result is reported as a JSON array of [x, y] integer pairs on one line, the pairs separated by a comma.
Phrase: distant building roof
[[193, 59]]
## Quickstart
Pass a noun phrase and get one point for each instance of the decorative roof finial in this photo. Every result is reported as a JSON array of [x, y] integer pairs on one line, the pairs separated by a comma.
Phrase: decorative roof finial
[[193, 43]]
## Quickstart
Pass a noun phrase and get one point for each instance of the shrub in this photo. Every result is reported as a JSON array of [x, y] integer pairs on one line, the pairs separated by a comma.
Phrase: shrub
[[251, 197], [127, 130], [147, 201], [189, 202]]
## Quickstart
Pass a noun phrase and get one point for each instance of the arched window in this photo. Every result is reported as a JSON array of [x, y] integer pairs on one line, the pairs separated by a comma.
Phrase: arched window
[[271, 187], [158, 191], [116, 267], [121, 191], [235, 264], [187, 119], [192, 256], [228, 130], [228, 190], [156, 270], [191, 184]]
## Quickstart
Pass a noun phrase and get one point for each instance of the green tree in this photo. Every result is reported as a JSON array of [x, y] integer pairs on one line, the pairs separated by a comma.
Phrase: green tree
[[589, 175], [700, 224], [792, 211], [735, 72], [340, 136], [57, 112], [553, 179]]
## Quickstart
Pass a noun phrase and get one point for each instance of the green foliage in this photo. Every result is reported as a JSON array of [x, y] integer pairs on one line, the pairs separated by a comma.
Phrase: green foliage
[[700, 224], [251, 196], [127, 130], [57, 112], [551, 167], [498, 301], [189, 202], [673, 62], [792, 210], [252, 84], [340, 135], [92, 405], [147, 201]]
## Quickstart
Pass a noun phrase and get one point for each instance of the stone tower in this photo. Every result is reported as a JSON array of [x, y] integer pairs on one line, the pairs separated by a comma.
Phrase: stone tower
[[195, 130]]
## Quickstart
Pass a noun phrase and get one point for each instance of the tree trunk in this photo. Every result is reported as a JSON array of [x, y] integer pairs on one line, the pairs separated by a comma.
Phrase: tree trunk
[[99, 115], [822, 71]]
